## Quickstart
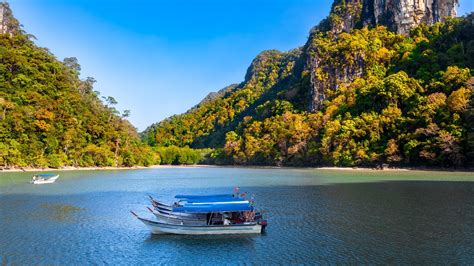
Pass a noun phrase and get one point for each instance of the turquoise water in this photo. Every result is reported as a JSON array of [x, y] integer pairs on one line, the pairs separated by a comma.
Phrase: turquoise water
[[324, 216]]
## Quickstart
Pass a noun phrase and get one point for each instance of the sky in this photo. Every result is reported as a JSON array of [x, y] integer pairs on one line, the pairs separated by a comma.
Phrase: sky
[[158, 58]]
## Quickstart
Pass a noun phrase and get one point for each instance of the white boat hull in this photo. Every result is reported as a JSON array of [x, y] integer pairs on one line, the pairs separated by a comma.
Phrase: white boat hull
[[45, 181], [161, 206], [182, 215], [171, 219], [168, 210], [163, 228]]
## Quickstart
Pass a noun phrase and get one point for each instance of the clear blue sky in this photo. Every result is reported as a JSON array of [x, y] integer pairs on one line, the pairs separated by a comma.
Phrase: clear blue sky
[[161, 57]]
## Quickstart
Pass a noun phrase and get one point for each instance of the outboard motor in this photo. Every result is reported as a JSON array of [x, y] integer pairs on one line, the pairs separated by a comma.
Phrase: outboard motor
[[264, 225]]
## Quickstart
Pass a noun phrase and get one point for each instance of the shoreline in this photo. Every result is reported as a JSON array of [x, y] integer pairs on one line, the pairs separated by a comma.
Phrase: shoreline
[[95, 168], [335, 168]]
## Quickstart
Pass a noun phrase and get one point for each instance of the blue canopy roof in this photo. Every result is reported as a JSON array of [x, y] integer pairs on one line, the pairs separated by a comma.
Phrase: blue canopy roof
[[204, 196], [206, 208], [213, 199]]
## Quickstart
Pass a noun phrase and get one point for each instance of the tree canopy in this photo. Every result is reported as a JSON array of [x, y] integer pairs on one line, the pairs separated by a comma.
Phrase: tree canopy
[[406, 104]]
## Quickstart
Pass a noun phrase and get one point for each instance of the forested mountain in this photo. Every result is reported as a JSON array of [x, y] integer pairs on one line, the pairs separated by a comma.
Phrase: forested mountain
[[50, 117], [206, 124], [369, 87], [378, 81]]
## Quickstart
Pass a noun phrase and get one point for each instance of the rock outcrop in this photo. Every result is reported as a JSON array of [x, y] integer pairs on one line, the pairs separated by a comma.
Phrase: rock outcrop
[[402, 15], [399, 16], [8, 24]]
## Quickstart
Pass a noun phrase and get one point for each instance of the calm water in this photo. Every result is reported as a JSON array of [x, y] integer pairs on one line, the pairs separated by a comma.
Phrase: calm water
[[323, 216]]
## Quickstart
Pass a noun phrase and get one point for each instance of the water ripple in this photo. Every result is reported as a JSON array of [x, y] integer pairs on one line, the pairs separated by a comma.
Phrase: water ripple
[[409, 222]]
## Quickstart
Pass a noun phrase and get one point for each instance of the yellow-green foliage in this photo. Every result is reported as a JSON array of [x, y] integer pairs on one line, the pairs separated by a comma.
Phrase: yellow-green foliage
[[406, 106], [49, 117], [266, 70], [181, 155], [394, 112]]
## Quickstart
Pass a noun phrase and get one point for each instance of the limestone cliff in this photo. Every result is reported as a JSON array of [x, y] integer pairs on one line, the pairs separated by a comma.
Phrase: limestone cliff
[[399, 16], [378, 96], [402, 15], [8, 24]]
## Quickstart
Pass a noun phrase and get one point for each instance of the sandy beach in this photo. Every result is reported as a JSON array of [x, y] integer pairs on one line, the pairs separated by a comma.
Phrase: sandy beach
[[74, 168], [335, 168]]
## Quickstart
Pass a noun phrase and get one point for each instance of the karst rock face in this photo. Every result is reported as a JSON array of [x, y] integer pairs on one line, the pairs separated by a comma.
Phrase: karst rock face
[[399, 16], [402, 15], [8, 24]]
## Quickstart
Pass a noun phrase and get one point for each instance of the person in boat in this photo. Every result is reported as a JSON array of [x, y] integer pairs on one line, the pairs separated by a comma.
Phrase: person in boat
[[249, 216], [236, 191], [226, 221]]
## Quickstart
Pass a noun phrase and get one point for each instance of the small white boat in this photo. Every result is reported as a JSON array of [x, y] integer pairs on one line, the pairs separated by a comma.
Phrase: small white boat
[[44, 179], [184, 229]]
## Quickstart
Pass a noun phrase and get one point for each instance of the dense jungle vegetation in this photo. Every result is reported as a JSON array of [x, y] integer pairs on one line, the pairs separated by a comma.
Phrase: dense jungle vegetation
[[49, 117], [410, 103], [409, 106]]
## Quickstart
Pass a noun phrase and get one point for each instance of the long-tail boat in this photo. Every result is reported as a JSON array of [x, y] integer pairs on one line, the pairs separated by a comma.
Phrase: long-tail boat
[[206, 214]]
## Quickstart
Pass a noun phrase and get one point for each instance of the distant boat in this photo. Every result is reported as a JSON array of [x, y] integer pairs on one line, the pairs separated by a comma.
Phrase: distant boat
[[44, 179]]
